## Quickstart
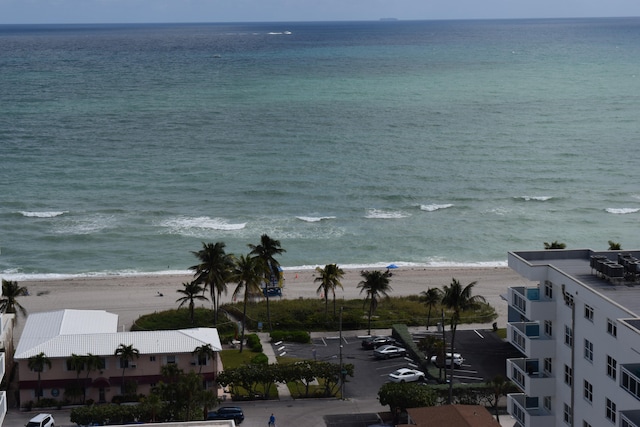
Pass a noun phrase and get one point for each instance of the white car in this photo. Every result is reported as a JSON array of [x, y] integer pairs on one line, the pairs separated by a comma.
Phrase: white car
[[457, 360], [407, 375], [41, 420]]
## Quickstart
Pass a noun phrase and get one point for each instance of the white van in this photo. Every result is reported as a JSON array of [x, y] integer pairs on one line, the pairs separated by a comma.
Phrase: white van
[[41, 420]]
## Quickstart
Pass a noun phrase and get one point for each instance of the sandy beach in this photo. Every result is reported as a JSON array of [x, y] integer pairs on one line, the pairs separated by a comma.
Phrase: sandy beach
[[132, 296]]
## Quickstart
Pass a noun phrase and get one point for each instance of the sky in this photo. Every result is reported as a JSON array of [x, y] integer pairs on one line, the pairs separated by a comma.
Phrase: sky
[[146, 11]]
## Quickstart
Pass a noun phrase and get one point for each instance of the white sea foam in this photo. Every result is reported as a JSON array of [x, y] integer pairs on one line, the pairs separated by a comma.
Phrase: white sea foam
[[535, 198], [314, 218], [385, 214], [87, 225], [622, 211], [45, 214], [187, 225], [435, 207]]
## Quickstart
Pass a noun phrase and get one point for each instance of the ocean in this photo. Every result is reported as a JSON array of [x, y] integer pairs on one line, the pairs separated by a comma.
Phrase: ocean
[[421, 143]]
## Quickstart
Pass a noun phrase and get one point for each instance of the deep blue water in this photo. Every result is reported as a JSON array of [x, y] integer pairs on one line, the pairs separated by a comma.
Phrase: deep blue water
[[123, 147]]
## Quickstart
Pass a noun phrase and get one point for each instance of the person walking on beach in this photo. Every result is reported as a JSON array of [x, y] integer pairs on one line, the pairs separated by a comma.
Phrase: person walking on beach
[[272, 421]]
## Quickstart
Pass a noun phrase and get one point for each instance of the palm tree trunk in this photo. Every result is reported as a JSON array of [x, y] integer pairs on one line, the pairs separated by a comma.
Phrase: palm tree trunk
[[268, 310], [244, 319], [370, 313], [215, 308], [39, 387], [428, 317]]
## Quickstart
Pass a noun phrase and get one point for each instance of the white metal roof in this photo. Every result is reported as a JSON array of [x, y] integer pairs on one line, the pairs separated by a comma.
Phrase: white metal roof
[[65, 332]]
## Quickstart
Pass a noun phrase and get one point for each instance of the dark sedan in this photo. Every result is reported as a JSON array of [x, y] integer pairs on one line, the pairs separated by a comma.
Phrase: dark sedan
[[374, 342]]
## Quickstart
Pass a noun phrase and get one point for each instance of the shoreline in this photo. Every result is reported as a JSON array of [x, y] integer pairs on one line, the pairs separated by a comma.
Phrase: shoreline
[[132, 296]]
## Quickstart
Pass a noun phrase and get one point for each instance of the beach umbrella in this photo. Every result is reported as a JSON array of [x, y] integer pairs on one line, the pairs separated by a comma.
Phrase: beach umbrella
[[390, 266]]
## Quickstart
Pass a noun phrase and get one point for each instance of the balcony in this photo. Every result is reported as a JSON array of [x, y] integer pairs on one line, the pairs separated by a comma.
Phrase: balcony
[[526, 337], [527, 301], [528, 412], [527, 375]]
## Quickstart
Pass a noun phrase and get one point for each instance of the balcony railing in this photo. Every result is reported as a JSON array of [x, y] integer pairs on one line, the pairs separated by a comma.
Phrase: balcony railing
[[527, 337], [3, 406], [529, 303], [527, 412], [527, 375]]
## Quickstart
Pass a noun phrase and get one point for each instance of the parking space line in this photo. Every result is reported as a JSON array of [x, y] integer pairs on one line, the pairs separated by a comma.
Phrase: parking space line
[[478, 333]]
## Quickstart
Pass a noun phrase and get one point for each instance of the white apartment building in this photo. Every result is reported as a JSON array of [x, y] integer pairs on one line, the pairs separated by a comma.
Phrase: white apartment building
[[578, 327]]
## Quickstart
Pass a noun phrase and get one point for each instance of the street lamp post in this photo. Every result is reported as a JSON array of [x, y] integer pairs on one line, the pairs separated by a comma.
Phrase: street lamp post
[[342, 374]]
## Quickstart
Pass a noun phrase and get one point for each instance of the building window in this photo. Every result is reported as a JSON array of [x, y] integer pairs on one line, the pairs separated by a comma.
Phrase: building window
[[585, 424], [612, 366], [568, 375], [630, 383], [548, 328], [588, 350], [588, 391], [547, 403], [588, 312], [611, 411], [548, 290], [612, 328], [568, 336], [171, 359], [548, 365], [124, 363], [568, 416], [152, 358]]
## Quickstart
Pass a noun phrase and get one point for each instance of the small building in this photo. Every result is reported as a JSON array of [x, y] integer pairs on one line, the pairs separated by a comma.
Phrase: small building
[[451, 416], [63, 333]]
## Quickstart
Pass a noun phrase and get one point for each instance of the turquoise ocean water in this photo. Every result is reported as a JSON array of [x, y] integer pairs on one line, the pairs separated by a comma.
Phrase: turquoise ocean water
[[123, 147]]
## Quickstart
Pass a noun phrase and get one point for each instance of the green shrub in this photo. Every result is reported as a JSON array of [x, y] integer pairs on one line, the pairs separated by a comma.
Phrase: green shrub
[[260, 359]]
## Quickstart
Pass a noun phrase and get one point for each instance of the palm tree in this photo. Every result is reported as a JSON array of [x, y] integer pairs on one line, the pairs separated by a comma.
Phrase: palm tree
[[431, 298], [126, 353], [614, 246], [77, 363], [329, 279], [458, 299], [554, 245], [204, 352], [9, 300], [37, 363], [248, 273], [375, 284], [191, 292], [92, 362], [213, 271], [499, 386], [266, 251]]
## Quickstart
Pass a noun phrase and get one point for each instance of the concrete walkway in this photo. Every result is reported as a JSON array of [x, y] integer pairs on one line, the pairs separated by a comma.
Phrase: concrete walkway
[[270, 352]]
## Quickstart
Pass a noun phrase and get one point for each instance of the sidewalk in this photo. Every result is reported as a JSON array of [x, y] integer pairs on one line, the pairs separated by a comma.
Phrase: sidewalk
[[268, 350]]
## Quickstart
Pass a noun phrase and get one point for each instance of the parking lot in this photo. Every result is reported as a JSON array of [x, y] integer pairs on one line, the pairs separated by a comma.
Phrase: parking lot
[[484, 352]]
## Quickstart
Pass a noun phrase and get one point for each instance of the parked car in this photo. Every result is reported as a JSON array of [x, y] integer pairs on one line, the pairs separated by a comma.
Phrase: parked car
[[458, 360], [371, 343], [227, 413], [41, 420], [387, 351], [403, 375], [272, 291]]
